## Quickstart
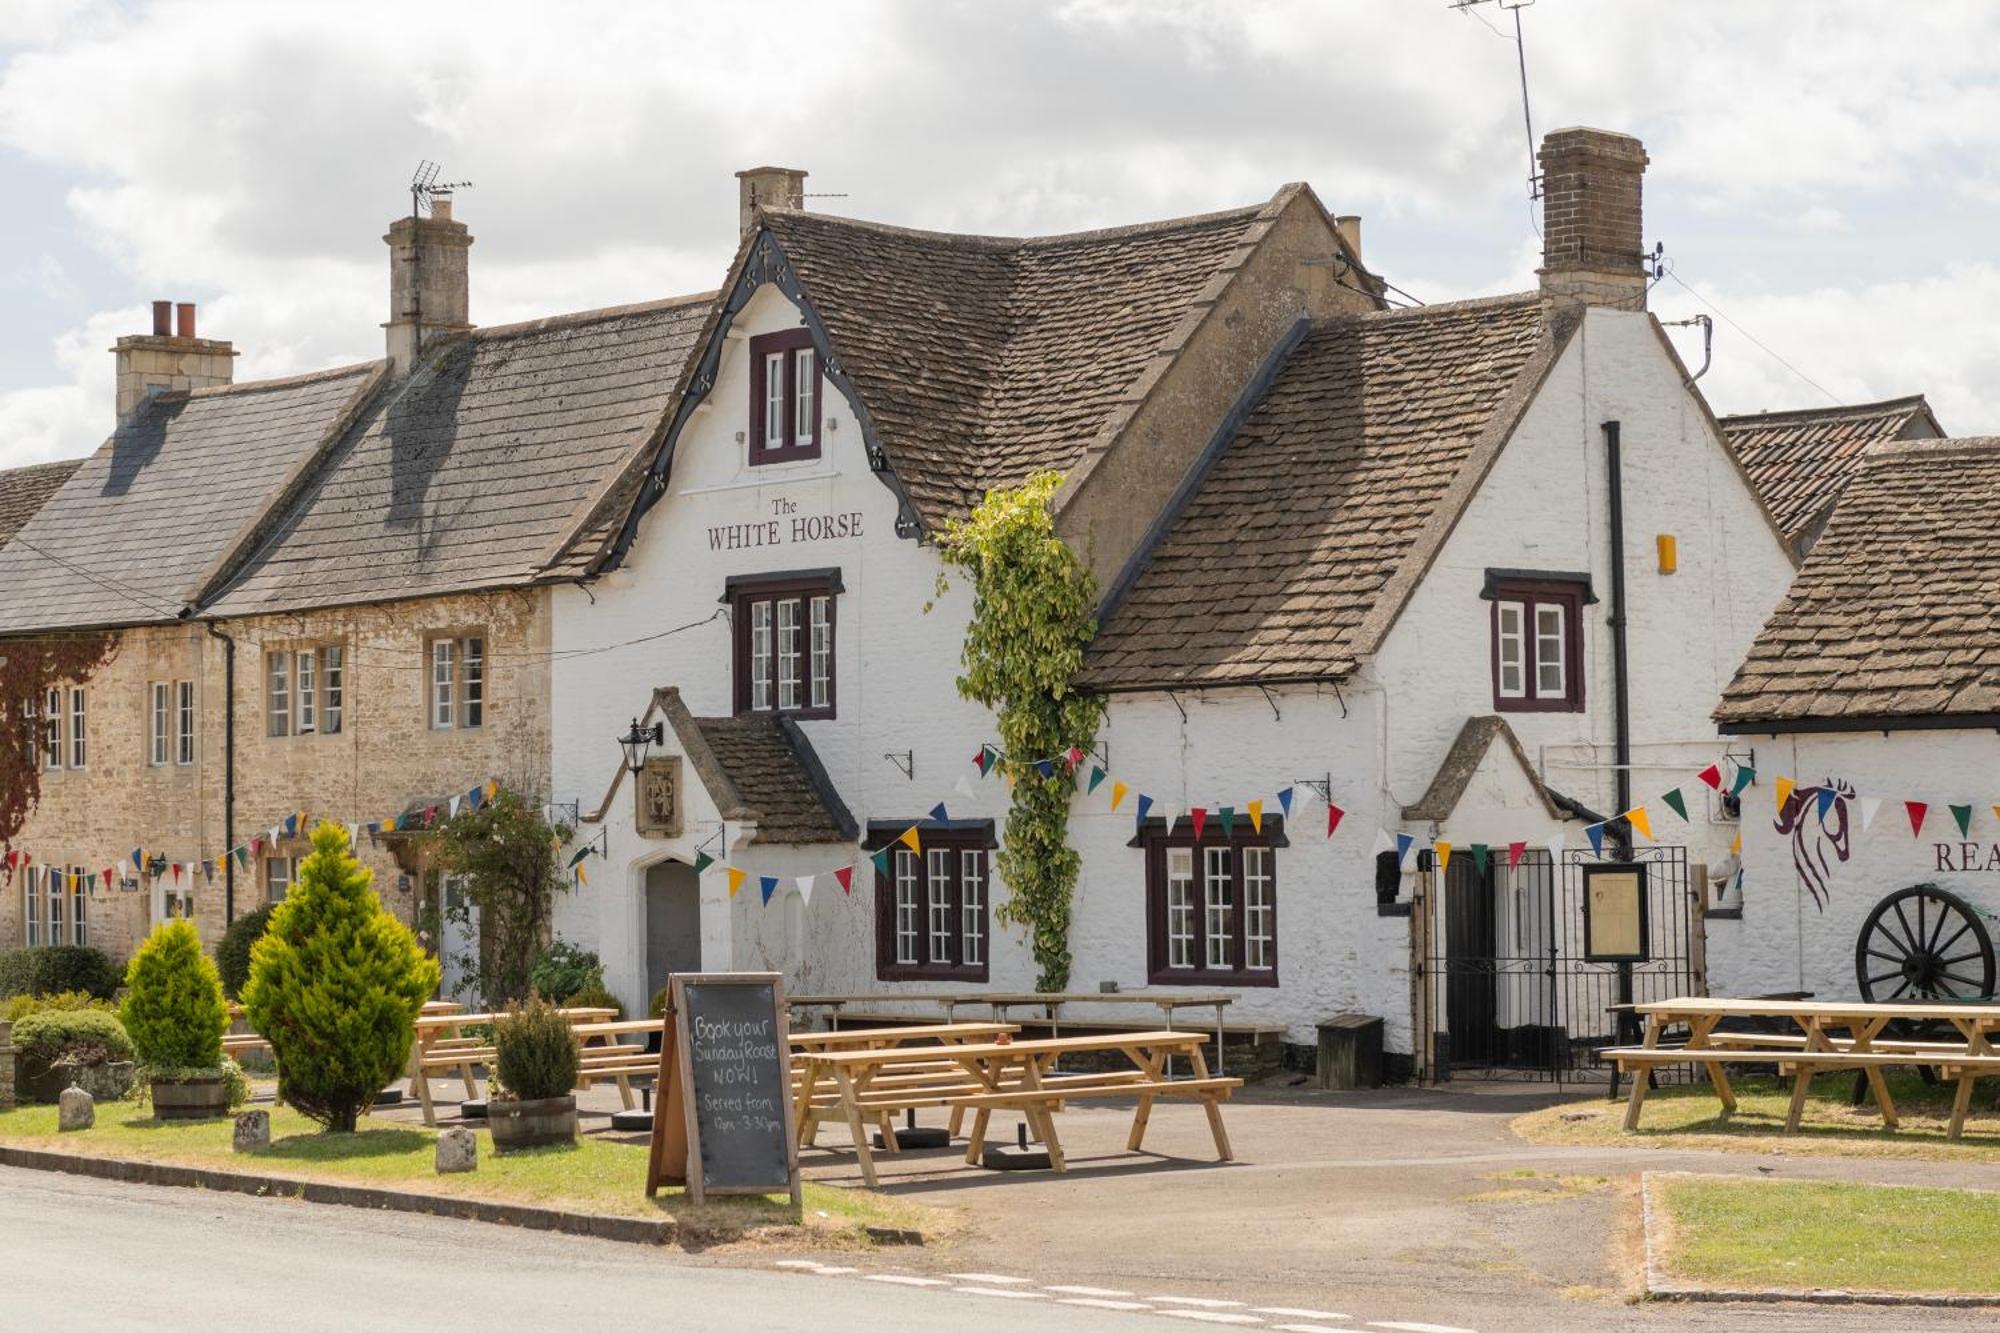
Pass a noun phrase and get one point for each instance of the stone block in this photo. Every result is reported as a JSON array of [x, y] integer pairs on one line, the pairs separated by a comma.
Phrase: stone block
[[457, 1150], [253, 1131], [75, 1109]]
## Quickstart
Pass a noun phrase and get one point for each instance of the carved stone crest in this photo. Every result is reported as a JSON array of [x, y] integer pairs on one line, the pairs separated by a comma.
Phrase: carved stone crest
[[658, 793]]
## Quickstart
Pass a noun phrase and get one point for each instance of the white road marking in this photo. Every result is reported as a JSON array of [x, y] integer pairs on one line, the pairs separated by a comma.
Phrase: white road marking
[[1305, 1328], [1099, 1303], [1087, 1291], [1292, 1312], [834, 1270], [990, 1279], [1202, 1301], [799, 1263], [1402, 1327], [1211, 1316], [901, 1281], [1002, 1292]]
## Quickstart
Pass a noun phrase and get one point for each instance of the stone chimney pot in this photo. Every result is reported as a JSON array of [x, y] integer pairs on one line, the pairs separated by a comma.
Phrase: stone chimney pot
[[776, 187]]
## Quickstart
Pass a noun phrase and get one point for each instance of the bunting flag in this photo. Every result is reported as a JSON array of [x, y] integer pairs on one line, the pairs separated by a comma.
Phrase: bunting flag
[[474, 798], [1334, 814], [1383, 842], [1962, 816], [1745, 775], [939, 814], [492, 788], [1200, 817], [1712, 775], [1285, 801], [845, 878], [1676, 803], [909, 839], [1827, 796], [138, 859], [962, 787], [1074, 755], [805, 883], [1639, 820], [1785, 787], [1046, 767], [451, 807], [1145, 804], [1736, 846], [1916, 811], [767, 885], [243, 857], [1515, 851], [107, 877], [581, 852], [176, 868], [1479, 857], [1443, 852], [1256, 812], [984, 759], [291, 826], [1228, 813], [702, 861], [1557, 846], [736, 878], [583, 876], [1118, 790], [1596, 835], [1403, 844], [1096, 778], [208, 871], [881, 860]]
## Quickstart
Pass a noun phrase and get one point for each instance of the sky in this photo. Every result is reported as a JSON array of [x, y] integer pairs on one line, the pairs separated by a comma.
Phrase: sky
[[1823, 177]]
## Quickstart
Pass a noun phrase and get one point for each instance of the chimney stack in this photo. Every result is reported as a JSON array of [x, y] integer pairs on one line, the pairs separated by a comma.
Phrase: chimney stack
[[759, 187], [169, 358], [1349, 227], [1593, 249], [429, 288]]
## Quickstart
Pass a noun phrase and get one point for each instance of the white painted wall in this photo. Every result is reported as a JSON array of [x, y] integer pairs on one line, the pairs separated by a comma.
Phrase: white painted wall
[[1786, 940]]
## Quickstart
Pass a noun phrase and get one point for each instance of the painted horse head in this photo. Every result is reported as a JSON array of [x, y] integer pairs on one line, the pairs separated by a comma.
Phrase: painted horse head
[[1815, 818]]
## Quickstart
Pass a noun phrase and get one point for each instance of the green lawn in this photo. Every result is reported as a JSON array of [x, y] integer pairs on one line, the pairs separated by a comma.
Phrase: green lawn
[[593, 1176], [1800, 1235], [1689, 1116]]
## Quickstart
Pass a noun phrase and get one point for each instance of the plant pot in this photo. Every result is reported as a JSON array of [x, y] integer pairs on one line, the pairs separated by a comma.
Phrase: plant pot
[[191, 1099], [531, 1124]]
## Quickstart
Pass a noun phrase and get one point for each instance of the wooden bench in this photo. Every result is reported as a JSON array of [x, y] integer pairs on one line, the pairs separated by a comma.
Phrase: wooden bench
[[442, 1046]]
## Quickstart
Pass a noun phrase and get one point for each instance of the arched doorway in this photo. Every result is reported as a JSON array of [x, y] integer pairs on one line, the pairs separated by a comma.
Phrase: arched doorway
[[673, 923]]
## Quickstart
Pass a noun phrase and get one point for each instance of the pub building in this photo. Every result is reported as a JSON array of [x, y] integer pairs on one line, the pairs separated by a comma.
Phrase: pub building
[[1410, 615], [1871, 864]]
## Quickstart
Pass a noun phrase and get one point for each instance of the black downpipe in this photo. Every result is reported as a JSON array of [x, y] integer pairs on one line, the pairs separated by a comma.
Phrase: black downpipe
[[1621, 720], [228, 773]]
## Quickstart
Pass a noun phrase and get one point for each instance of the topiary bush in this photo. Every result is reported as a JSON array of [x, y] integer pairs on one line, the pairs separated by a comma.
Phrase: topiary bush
[[565, 971], [535, 1052], [232, 952], [173, 1006], [335, 986], [87, 1036], [59, 967]]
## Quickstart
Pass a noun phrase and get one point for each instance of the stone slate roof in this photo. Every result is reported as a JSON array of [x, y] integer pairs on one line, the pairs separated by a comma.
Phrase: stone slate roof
[[1291, 556], [983, 359], [479, 470], [762, 761], [133, 534], [1800, 461], [1895, 616], [24, 490], [1448, 784]]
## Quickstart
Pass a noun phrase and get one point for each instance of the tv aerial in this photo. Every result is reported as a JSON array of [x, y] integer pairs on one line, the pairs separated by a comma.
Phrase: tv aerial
[[425, 187]]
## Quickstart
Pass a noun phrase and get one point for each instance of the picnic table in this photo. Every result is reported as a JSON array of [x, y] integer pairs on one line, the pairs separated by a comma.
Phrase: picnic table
[[871, 1084], [1051, 1004], [235, 1042], [1832, 1036], [442, 1044]]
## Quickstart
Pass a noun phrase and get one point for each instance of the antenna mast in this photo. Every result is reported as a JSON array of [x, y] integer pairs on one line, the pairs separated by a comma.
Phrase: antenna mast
[[1521, 59], [425, 189]]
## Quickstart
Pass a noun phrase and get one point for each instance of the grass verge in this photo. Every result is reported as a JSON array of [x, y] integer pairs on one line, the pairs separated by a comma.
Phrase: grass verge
[[592, 1176], [1803, 1235], [1690, 1117]]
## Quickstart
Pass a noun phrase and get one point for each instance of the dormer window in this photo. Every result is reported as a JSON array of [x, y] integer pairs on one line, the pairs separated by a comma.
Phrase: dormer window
[[784, 397], [1537, 651]]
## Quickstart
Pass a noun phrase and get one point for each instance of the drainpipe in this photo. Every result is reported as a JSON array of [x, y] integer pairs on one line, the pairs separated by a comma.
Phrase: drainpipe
[[1621, 716], [228, 772]]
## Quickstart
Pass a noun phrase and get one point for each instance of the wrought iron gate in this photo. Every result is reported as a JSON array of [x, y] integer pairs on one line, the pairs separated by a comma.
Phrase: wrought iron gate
[[1502, 986]]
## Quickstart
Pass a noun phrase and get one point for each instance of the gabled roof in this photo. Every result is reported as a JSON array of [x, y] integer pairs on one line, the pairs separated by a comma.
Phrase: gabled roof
[[24, 490], [132, 535], [1467, 751], [1892, 620], [477, 470], [1291, 556], [1801, 460]]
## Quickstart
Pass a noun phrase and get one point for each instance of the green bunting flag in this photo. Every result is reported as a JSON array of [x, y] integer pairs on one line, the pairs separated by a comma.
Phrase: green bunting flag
[[581, 852], [1479, 856], [1962, 815], [1677, 803], [702, 861], [1745, 775], [1228, 813], [881, 860], [1096, 778]]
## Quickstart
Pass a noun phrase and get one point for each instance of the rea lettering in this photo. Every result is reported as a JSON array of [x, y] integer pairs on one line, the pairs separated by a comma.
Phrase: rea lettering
[[1964, 856]]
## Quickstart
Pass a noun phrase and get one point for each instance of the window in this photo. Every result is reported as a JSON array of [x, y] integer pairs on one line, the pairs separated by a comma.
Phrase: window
[[52, 730], [57, 881], [784, 644], [79, 906], [1212, 903], [1537, 643], [156, 751], [31, 908], [784, 397], [77, 710], [280, 873], [304, 689], [930, 907], [184, 722], [458, 682]]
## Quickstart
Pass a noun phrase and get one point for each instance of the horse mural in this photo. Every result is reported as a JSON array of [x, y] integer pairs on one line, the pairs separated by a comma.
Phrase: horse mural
[[1816, 820]]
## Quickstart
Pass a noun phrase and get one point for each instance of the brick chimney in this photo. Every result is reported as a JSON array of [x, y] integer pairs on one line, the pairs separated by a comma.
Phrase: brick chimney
[[1593, 252], [780, 187], [170, 357], [428, 283]]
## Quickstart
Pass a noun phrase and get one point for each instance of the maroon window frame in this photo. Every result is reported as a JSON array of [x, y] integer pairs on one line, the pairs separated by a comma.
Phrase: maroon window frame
[[801, 589], [792, 449], [1529, 594], [1156, 840], [952, 966]]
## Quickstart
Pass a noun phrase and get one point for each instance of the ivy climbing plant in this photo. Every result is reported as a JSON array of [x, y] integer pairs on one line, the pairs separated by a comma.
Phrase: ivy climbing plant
[[1032, 615], [29, 668]]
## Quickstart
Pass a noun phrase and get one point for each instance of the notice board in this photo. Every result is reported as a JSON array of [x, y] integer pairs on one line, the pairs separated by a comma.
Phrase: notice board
[[1615, 924], [723, 1122]]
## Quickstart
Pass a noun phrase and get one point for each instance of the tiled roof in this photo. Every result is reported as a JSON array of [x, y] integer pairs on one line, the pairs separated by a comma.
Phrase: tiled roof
[[1468, 749], [24, 490], [1292, 554], [130, 537], [762, 761], [1896, 613], [475, 471], [981, 359], [1800, 461]]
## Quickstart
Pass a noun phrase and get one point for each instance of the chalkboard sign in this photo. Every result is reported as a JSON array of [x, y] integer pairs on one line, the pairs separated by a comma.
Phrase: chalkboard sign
[[725, 1121]]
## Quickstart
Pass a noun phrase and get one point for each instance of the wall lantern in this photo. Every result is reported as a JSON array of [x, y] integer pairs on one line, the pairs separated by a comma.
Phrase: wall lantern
[[638, 740]]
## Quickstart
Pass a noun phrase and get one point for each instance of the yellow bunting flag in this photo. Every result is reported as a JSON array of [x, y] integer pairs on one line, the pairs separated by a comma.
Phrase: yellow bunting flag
[[1636, 817], [1256, 809], [492, 788], [736, 878], [582, 877], [1736, 847], [909, 839], [1118, 790], [1785, 788], [1443, 855]]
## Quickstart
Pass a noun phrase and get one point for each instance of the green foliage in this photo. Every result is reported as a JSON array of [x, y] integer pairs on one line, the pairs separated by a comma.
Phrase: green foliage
[[335, 986], [658, 1008], [173, 1007], [594, 996], [1032, 608], [59, 967], [232, 952], [535, 1052], [509, 856], [67, 1001], [565, 971], [228, 1070], [87, 1036]]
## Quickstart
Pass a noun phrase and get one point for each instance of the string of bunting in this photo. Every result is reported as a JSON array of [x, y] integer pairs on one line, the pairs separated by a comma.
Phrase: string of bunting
[[1916, 813]]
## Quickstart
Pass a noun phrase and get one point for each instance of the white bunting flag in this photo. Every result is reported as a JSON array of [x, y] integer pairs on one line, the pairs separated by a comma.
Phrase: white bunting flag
[[963, 786], [353, 836], [1869, 805], [1556, 845], [453, 807], [1383, 842], [806, 886]]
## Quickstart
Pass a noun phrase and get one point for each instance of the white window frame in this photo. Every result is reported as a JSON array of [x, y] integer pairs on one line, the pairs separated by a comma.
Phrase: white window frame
[[1512, 639], [472, 682], [938, 885], [156, 750], [334, 686], [1260, 915], [761, 616], [1218, 896], [184, 723], [906, 907], [55, 924], [972, 905], [1180, 907], [305, 686], [52, 730], [806, 407], [281, 875], [278, 693], [31, 908], [790, 659], [444, 683], [79, 727], [821, 618], [1551, 648], [774, 400]]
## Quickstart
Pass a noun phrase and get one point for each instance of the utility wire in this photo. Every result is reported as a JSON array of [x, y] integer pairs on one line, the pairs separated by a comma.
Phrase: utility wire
[[131, 593], [1723, 315]]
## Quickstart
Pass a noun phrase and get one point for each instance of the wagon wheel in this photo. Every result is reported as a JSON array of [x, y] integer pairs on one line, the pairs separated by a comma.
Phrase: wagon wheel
[[1924, 943]]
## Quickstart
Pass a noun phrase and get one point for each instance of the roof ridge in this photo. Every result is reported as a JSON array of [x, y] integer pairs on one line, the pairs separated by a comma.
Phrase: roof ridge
[[1001, 244], [597, 316], [1909, 402], [1465, 305], [1962, 446], [47, 465], [281, 382]]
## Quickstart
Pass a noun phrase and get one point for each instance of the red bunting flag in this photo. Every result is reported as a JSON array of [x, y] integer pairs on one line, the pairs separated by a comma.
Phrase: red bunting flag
[[1075, 756], [107, 877], [1200, 817], [846, 877], [1916, 810], [1334, 814], [1712, 775], [1514, 853], [177, 872]]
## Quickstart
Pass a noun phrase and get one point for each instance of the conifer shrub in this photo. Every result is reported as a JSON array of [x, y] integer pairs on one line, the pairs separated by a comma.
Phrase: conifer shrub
[[535, 1052], [335, 987], [232, 954], [173, 1008], [54, 968]]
